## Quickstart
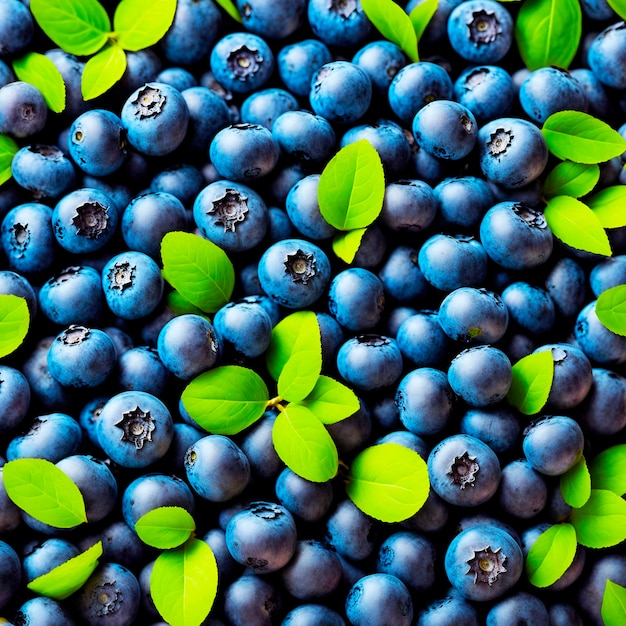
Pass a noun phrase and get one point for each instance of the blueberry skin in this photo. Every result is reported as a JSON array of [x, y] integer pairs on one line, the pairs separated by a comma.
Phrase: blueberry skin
[[563, 614], [184, 181], [486, 90], [303, 498], [257, 446], [45, 556], [259, 16], [312, 615], [303, 209], [409, 205], [600, 345], [421, 339], [603, 411], [10, 573], [14, 398], [337, 24], [43, 612], [453, 609], [266, 106], [23, 110], [599, 103], [520, 608], [208, 113], [463, 470], [294, 272], [140, 368], [495, 563], [155, 117], [351, 532], [607, 567], [523, 491], [606, 56], [480, 31], [381, 60], [607, 273], [12, 283], [530, 307], [177, 77], [463, 201], [498, 427], [252, 601], [379, 598], [297, 62], [262, 536], [244, 326], [17, 27], [134, 429], [401, 275]]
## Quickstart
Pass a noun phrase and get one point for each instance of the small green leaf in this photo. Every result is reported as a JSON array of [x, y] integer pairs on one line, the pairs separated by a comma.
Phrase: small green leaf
[[613, 609], [576, 225], [226, 400], [571, 179], [165, 527], [38, 70], [575, 484], [608, 470], [551, 554], [80, 27], [532, 381], [548, 32], [42, 490], [388, 482], [304, 445], [183, 583], [346, 244], [294, 356], [619, 6], [180, 305], [352, 187], [65, 579], [14, 323], [230, 8], [608, 205], [331, 401], [611, 309], [581, 138], [393, 23], [8, 148], [139, 24], [421, 15], [102, 71], [198, 269], [601, 522]]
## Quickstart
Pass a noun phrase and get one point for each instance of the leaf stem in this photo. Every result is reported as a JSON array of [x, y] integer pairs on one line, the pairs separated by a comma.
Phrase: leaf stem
[[275, 401]]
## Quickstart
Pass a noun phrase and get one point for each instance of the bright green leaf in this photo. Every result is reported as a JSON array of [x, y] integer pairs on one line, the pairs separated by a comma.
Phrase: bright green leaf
[[613, 609], [421, 15], [619, 6], [304, 445], [63, 580], [165, 527], [180, 305], [38, 70], [601, 522], [8, 148], [102, 71], [393, 23], [14, 323], [611, 309], [347, 243], [388, 482], [352, 187], [331, 401], [183, 583], [42, 490], [609, 205], [571, 179], [139, 24], [80, 27], [230, 8], [576, 225], [226, 400], [294, 356], [198, 269], [532, 381], [581, 138], [608, 470], [575, 484], [551, 554], [548, 32]]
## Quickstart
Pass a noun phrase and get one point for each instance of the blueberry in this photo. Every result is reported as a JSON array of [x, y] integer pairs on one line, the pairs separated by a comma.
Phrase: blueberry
[[312, 615], [603, 411], [12, 283], [379, 598], [601, 346], [337, 23], [183, 181], [45, 556], [304, 499], [297, 62], [208, 113], [452, 609], [10, 573], [23, 110], [401, 275], [605, 55], [589, 598], [258, 448], [381, 60], [17, 27], [245, 327], [44, 612], [303, 209], [140, 369], [497, 426], [486, 90], [15, 397], [522, 607], [462, 201], [252, 601], [530, 307], [259, 16], [264, 107], [523, 492]]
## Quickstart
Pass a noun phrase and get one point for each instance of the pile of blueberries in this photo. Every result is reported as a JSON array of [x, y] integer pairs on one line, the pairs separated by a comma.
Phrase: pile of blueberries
[[222, 129]]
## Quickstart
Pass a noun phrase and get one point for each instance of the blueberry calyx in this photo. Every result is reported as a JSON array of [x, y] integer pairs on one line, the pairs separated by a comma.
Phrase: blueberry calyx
[[230, 209], [265, 510], [91, 220], [244, 62], [463, 470], [374, 341], [344, 8], [149, 102], [486, 565], [49, 152], [73, 335], [300, 266], [65, 275], [137, 427], [107, 599], [532, 217], [20, 237], [484, 27], [121, 275], [499, 141]]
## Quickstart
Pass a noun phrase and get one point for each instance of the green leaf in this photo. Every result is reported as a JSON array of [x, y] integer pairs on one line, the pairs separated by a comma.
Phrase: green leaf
[[619, 6], [230, 8], [42, 490], [139, 24], [551, 555], [581, 138], [571, 179], [346, 244], [352, 187], [14, 323], [198, 269], [8, 148], [608, 470], [421, 15], [576, 225], [575, 484], [226, 400], [393, 23], [611, 309], [180, 305], [613, 609], [63, 580], [183, 583], [601, 522], [80, 27], [294, 356], [608, 205], [102, 71], [388, 482], [304, 445], [331, 401], [165, 527], [531, 383], [38, 70], [548, 32]]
